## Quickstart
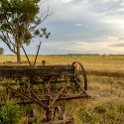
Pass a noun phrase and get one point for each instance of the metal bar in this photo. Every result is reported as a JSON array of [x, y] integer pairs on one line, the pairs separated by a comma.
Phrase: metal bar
[[26, 55], [37, 53], [83, 90], [60, 99], [58, 95], [27, 97], [39, 101]]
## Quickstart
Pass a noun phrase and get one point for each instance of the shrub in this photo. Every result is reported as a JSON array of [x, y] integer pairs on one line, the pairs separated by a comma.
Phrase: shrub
[[10, 113]]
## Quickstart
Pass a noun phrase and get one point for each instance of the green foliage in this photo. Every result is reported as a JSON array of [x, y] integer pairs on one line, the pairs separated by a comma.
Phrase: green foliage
[[113, 116], [87, 117], [17, 16], [54, 87], [103, 113], [100, 109], [20, 22], [120, 108], [10, 113]]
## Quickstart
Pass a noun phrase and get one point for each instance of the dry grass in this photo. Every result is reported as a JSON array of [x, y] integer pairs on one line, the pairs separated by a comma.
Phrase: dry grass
[[105, 79]]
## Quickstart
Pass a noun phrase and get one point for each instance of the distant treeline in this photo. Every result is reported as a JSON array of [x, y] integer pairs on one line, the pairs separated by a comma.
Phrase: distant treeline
[[96, 54], [87, 54]]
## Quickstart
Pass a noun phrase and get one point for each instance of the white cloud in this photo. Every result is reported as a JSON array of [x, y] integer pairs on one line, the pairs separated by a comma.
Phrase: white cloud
[[84, 47], [102, 23], [66, 1], [117, 22], [79, 25]]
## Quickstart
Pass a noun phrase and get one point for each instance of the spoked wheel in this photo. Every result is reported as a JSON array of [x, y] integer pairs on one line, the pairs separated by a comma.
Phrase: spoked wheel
[[80, 76], [59, 117], [32, 118], [59, 113]]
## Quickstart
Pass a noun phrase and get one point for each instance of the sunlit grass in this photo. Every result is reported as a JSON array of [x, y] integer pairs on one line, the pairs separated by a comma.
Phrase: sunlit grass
[[105, 83]]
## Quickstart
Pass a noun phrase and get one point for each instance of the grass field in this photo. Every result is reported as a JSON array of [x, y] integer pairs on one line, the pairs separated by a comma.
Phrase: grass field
[[105, 86]]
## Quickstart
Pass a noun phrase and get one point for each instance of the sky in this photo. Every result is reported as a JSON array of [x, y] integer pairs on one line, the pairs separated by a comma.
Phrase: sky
[[82, 26]]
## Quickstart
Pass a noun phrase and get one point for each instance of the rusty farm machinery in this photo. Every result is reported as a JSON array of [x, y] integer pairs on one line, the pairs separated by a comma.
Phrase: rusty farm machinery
[[46, 86]]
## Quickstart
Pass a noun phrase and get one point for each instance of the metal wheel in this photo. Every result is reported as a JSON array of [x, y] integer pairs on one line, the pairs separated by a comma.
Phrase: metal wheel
[[80, 74], [58, 112]]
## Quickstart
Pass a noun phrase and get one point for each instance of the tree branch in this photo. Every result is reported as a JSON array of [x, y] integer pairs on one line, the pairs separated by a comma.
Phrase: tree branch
[[14, 46], [5, 40], [11, 27], [48, 14], [8, 45]]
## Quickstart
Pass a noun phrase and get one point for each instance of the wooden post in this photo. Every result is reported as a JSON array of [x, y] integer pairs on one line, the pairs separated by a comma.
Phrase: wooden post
[[43, 62], [37, 53], [26, 56]]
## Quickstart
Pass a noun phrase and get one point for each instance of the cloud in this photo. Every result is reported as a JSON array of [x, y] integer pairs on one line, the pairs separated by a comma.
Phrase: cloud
[[82, 25], [117, 45], [66, 1], [100, 22], [79, 25], [81, 47]]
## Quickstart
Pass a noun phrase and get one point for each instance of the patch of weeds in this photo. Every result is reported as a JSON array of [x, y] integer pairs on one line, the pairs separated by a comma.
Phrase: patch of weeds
[[87, 117], [113, 116], [100, 109], [10, 113], [54, 87], [120, 108]]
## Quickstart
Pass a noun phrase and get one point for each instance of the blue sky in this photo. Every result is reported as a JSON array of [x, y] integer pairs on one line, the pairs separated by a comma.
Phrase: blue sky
[[82, 26]]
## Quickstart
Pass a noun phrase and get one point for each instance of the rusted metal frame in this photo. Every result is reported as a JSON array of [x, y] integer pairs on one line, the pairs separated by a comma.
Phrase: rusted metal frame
[[60, 99], [27, 97], [28, 89], [42, 71], [36, 97], [83, 90], [59, 111], [57, 96], [37, 53], [49, 111], [49, 115], [26, 55]]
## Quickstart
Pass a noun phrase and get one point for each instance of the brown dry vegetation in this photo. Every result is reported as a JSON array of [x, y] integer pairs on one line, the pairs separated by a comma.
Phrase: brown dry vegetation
[[105, 86]]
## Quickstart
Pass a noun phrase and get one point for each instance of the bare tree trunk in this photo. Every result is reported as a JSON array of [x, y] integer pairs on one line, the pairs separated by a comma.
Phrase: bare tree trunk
[[18, 54]]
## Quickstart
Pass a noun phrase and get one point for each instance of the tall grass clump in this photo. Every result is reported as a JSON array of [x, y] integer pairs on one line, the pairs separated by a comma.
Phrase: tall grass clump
[[87, 117], [10, 113], [103, 114]]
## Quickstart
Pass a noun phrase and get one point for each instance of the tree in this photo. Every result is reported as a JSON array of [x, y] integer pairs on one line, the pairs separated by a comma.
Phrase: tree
[[1, 51], [19, 23]]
